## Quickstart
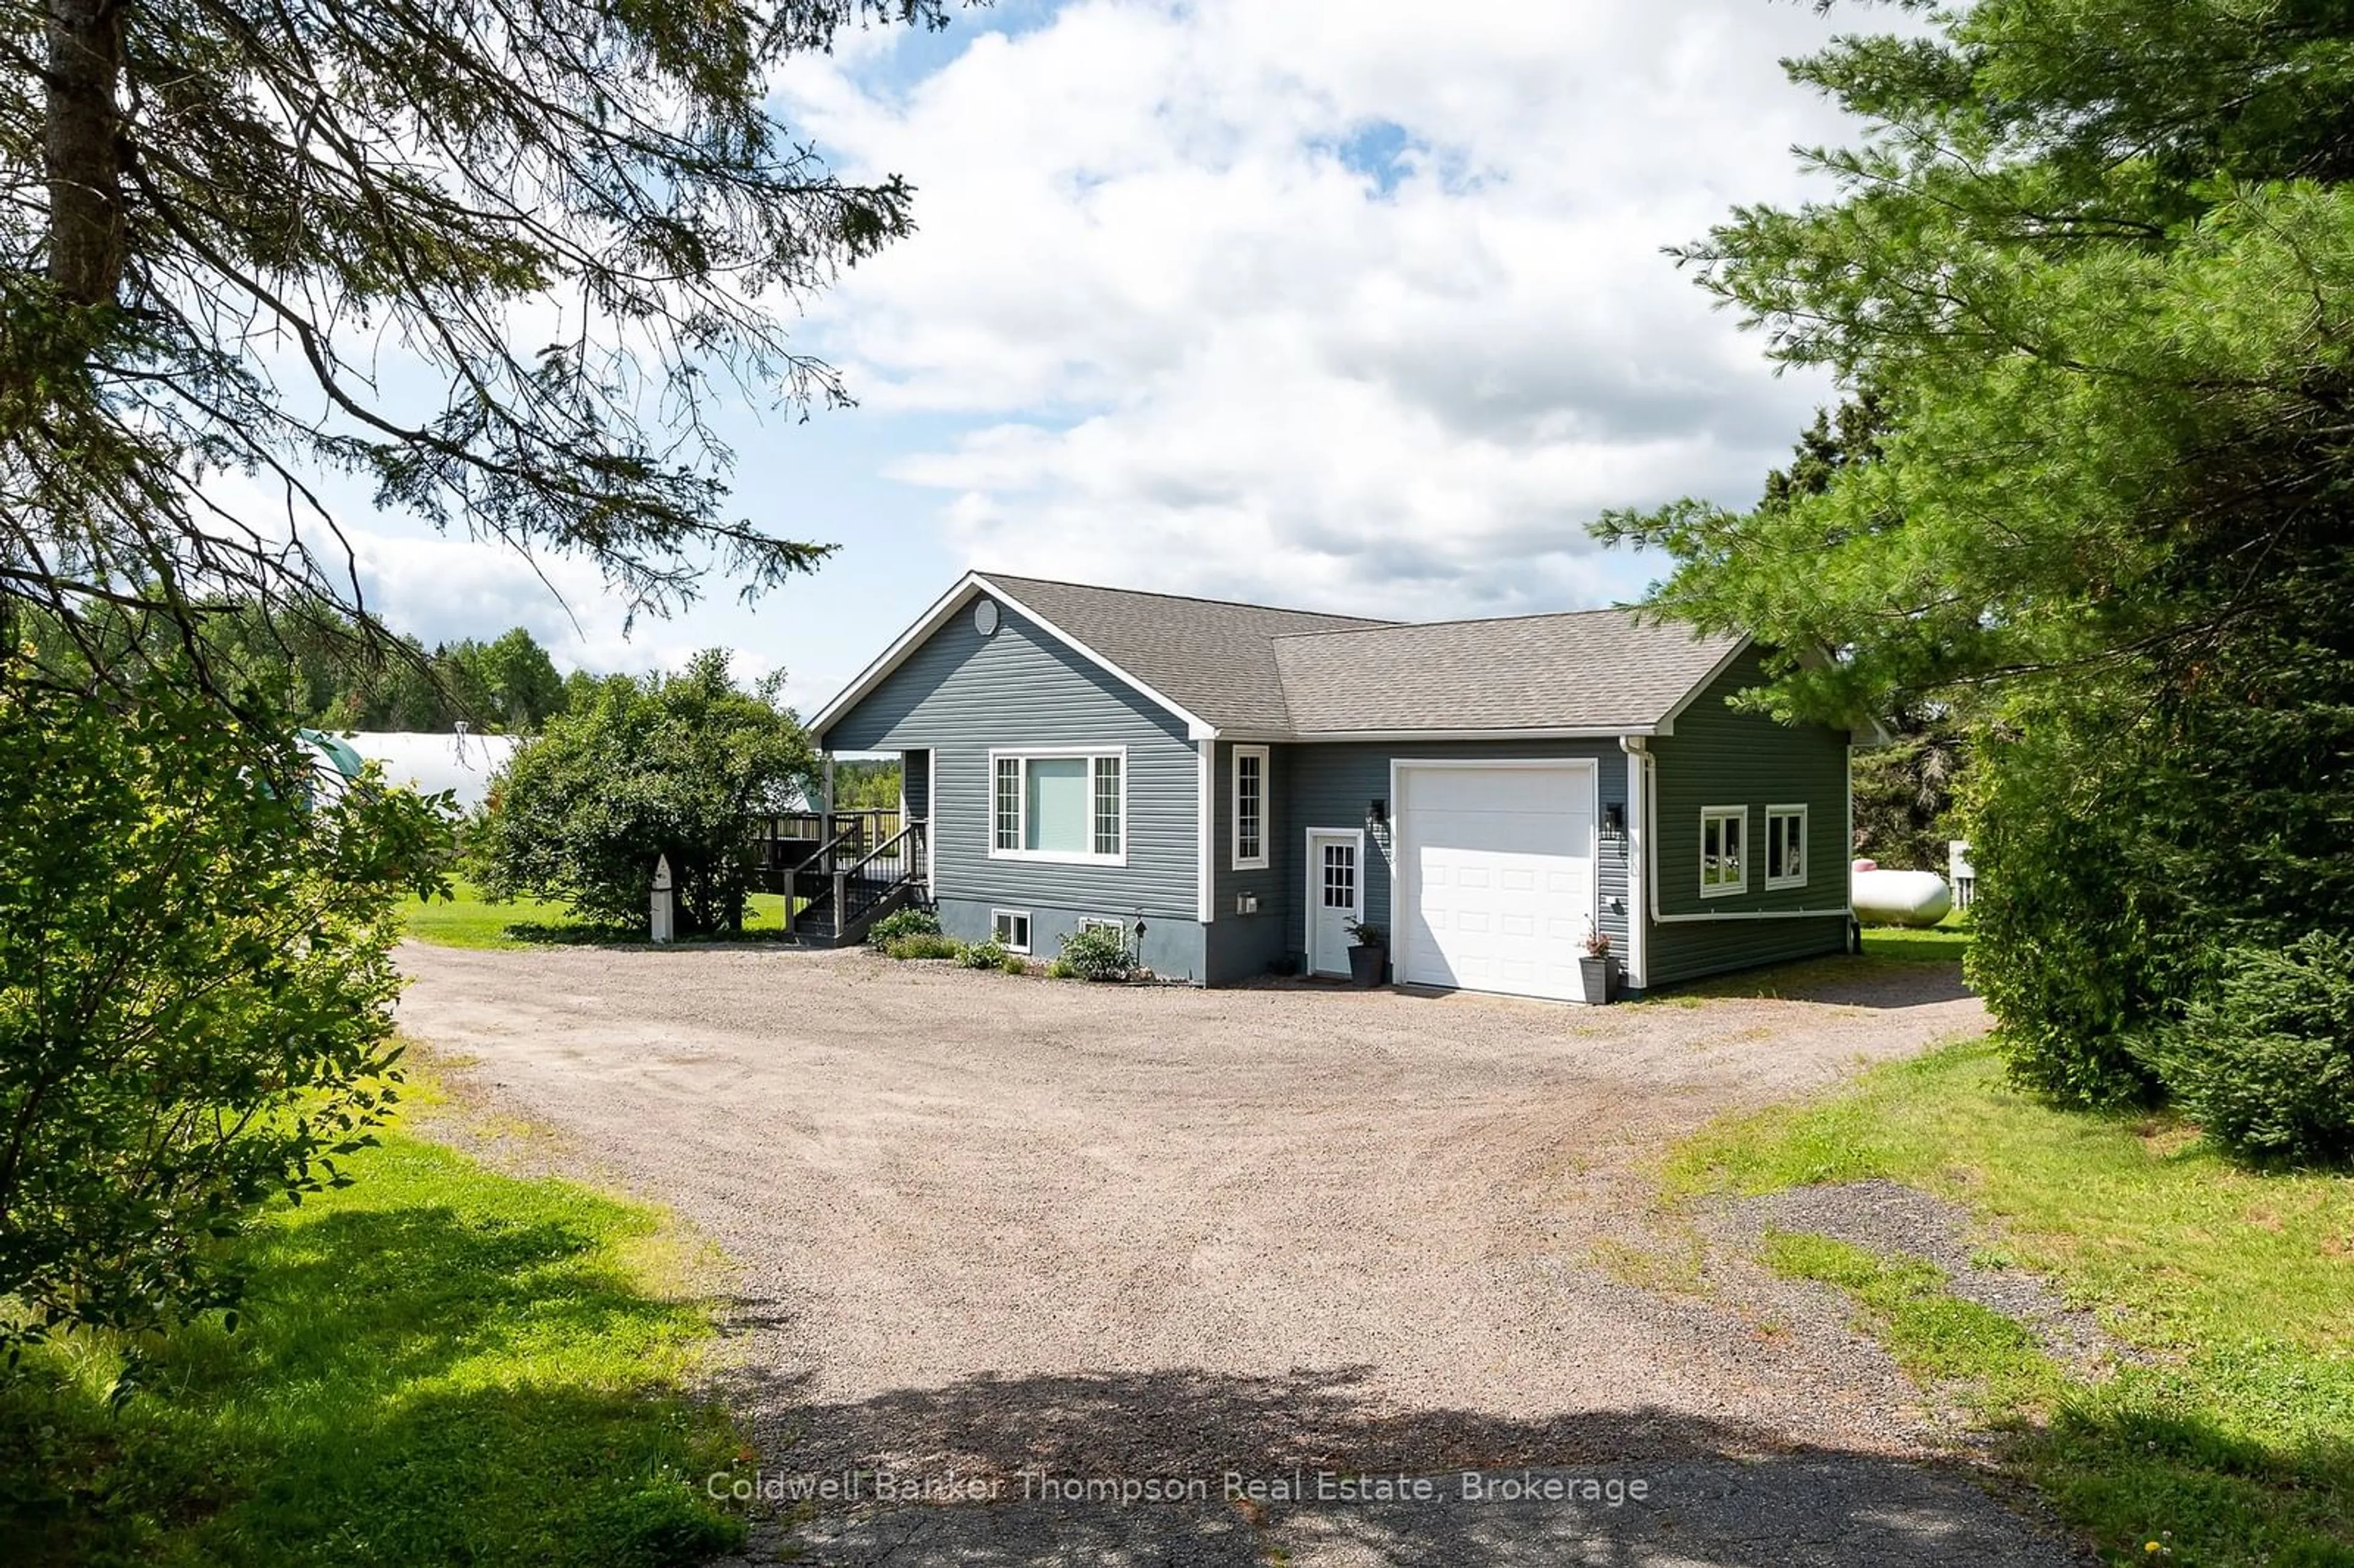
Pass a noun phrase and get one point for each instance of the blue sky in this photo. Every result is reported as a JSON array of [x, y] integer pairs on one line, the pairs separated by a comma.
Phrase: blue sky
[[1323, 303]]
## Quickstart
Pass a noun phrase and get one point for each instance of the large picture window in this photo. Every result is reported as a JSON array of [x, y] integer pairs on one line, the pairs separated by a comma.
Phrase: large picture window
[[1058, 805], [1785, 846], [1250, 808], [1724, 854]]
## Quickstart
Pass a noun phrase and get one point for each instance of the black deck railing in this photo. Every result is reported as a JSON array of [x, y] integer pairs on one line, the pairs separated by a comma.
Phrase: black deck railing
[[849, 878], [782, 840]]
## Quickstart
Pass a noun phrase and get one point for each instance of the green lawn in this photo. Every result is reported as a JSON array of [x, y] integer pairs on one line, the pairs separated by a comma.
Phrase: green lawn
[[1945, 942], [437, 1365], [2235, 1444], [472, 920]]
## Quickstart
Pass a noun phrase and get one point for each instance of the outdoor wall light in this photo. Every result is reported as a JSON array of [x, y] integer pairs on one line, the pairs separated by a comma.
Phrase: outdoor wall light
[[1614, 818], [1377, 811]]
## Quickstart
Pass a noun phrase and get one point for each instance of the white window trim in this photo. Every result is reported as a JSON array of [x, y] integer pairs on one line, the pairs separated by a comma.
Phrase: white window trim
[[1022, 827], [1727, 813], [1028, 926], [1805, 847], [1235, 808]]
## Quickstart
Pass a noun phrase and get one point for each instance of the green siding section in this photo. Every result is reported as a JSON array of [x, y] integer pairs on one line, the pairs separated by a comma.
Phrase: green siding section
[[1718, 757]]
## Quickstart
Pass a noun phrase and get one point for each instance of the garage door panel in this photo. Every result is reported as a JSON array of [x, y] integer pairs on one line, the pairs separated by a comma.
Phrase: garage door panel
[[1498, 877]]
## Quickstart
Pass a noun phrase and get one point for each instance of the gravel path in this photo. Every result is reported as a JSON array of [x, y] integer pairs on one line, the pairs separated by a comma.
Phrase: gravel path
[[987, 1230]]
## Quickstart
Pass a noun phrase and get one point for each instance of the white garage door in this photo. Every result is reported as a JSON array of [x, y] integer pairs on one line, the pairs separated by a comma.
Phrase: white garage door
[[1496, 864]]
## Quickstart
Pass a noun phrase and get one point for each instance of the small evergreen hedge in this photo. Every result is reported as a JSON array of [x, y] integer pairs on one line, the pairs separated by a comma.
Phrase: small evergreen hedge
[[2264, 1062]]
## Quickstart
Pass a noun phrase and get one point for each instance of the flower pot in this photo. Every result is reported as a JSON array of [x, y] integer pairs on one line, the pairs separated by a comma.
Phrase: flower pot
[[1596, 977], [1366, 961]]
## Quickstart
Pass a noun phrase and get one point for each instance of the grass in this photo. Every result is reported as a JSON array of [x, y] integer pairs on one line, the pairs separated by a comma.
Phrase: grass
[[1934, 1335], [2231, 1440], [437, 1365], [1945, 942], [472, 920]]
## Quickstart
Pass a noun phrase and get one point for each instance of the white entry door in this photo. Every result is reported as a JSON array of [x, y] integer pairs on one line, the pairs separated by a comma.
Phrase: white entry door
[[1336, 895], [1496, 871]]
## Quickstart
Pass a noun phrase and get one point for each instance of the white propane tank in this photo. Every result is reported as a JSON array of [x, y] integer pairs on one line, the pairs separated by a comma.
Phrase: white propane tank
[[1899, 897]]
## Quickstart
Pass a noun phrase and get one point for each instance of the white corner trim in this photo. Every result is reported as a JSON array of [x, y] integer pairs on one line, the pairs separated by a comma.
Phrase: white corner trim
[[1205, 903], [1638, 838]]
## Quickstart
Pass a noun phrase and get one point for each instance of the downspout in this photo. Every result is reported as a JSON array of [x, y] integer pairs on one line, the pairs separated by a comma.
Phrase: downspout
[[1651, 864], [1639, 844]]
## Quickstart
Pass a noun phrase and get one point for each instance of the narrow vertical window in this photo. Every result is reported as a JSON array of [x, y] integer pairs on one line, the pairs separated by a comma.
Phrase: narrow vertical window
[[1250, 808], [1785, 846], [1108, 805], [1009, 802]]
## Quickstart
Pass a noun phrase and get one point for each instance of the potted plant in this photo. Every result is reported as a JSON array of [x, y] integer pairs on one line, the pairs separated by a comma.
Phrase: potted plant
[[1369, 953], [1596, 970]]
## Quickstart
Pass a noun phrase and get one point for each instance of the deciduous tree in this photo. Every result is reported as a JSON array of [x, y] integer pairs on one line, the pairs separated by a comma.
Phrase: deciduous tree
[[198, 1012], [664, 766]]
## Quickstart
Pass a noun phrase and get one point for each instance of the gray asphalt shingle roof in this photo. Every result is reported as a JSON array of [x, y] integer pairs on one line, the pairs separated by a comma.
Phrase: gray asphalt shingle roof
[[1596, 669], [1254, 670], [1211, 658]]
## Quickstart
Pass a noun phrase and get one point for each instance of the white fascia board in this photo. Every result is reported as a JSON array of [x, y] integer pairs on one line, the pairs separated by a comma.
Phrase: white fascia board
[[1196, 727], [1667, 724], [938, 616], [1437, 736], [931, 620]]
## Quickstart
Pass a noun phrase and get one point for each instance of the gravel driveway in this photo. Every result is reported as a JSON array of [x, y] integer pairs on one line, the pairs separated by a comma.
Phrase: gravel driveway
[[1028, 1242]]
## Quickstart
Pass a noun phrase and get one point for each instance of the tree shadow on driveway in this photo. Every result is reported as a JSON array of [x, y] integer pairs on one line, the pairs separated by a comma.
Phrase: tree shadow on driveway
[[1180, 1467]]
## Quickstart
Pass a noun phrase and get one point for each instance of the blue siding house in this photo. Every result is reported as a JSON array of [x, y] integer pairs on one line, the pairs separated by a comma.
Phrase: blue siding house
[[1242, 784]]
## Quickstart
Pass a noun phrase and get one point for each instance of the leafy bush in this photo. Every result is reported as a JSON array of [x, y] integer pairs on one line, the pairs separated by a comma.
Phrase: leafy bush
[[196, 991], [2265, 1061], [902, 923], [1095, 953], [1014, 963], [989, 955], [926, 945], [669, 765]]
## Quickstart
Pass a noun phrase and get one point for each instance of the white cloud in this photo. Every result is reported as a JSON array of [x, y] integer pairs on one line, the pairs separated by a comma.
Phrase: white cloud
[[1216, 352], [442, 587]]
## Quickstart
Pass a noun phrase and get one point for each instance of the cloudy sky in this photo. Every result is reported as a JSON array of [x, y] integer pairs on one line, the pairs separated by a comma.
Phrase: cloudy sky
[[1347, 305]]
